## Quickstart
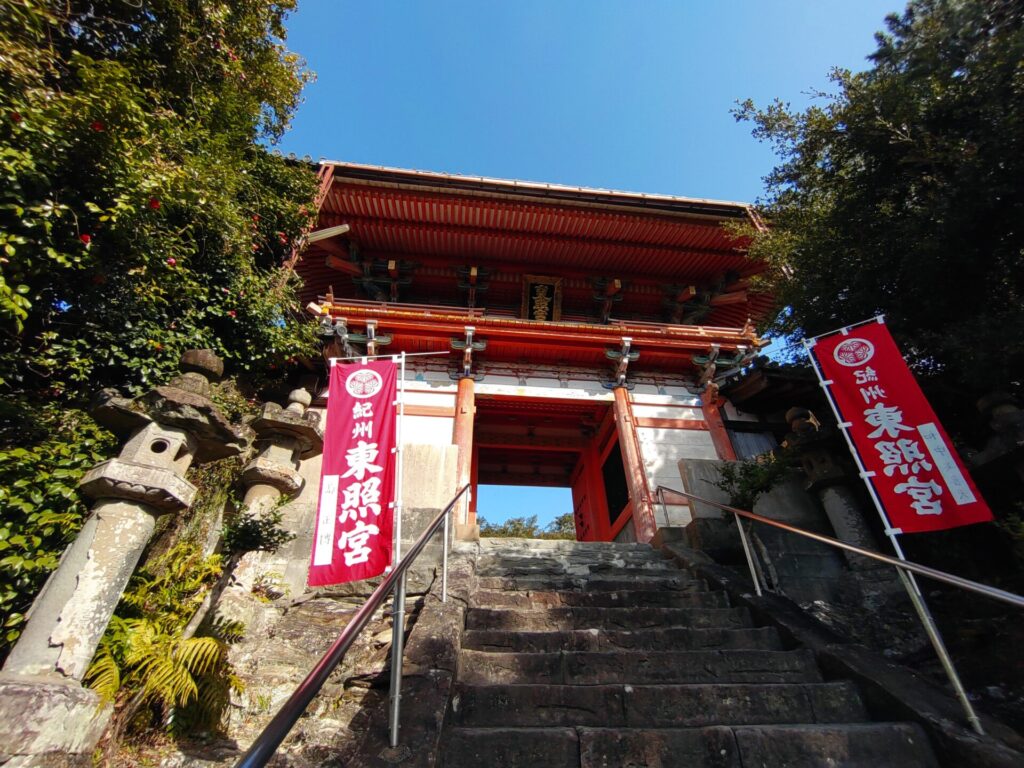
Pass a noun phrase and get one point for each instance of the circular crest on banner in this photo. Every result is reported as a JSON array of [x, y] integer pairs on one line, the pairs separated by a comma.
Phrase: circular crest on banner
[[853, 352], [363, 383]]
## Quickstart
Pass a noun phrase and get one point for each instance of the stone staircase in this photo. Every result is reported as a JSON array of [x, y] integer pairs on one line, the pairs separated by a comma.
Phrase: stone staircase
[[587, 654]]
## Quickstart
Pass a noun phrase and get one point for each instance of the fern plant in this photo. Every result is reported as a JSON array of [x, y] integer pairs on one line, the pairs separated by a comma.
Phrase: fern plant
[[145, 659]]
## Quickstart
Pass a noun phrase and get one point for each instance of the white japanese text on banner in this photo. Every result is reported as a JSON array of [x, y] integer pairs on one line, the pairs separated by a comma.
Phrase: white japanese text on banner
[[914, 468], [354, 522]]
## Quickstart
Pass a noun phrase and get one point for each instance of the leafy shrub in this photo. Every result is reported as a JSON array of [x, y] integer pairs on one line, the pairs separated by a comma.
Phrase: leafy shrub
[[746, 481], [141, 213], [248, 532], [44, 451], [146, 662]]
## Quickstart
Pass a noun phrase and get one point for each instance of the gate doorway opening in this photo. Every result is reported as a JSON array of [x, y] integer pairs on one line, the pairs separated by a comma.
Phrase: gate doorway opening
[[525, 511], [547, 443]]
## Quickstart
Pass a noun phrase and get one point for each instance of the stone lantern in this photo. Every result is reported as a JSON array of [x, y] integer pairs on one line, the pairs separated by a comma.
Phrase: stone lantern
[[285, 436], [43, 708], [830, 480]]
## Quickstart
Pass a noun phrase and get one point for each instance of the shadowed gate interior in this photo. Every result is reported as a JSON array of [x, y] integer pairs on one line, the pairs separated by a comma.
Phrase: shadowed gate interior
[[555, 443]]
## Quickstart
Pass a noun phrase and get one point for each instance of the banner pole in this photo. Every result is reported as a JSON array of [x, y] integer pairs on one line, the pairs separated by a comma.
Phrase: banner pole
[[398, 617], [908, 580], [399, 450]]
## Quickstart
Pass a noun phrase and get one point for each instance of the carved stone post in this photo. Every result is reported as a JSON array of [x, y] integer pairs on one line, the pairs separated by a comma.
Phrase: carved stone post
[[1005, 447], [829, 479], [169, 427], [284, 437]]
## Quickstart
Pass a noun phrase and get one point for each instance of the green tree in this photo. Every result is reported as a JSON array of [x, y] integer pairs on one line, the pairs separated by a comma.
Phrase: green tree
[[562, 527], [141, 213], [900, 193], [513, 528]]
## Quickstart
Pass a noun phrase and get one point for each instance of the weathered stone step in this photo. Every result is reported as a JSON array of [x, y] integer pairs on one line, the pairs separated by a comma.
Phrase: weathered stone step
[[553, 619], [602, 570], [510, 748], [655, 706], [503, 545], [641, 559], [592, 582], [611, 569], [639, 667], [622, 597], [874, 745], [675, 638]]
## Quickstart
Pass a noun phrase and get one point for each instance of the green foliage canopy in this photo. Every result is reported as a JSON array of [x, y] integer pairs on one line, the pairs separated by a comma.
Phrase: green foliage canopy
[[901, 194], [140, 212], [562, 527]]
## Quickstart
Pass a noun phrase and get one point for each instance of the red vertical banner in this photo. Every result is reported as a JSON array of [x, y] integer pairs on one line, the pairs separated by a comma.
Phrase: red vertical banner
[[917, 475], [355, 520]]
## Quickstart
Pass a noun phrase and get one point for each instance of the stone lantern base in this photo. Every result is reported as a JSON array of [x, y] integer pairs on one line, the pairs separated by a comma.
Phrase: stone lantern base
[[48, 722]]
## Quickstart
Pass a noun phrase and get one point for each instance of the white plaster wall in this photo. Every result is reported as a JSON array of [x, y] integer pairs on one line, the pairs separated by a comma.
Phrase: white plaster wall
[[429, 397], [662, 449], [660, 411], [427, 430], [685, 398], [509, 385], [588, 385], [433, 380]]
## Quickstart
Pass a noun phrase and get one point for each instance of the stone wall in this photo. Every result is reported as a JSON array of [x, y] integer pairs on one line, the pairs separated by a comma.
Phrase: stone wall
[[804, 570]]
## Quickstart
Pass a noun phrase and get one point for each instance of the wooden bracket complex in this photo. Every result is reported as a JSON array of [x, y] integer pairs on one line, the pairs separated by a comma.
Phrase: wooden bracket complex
[[623, 357], [467, 346]]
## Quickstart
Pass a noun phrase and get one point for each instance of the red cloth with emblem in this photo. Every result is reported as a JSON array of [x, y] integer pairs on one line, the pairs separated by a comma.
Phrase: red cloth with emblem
[[917, 474], [354, 521]]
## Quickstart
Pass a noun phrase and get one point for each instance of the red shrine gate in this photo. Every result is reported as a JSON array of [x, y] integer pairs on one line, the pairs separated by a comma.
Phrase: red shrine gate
[[579, 331]]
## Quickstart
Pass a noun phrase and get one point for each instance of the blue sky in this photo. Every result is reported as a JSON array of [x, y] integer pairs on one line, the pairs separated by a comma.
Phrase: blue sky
[[626, 95], [632, 95]]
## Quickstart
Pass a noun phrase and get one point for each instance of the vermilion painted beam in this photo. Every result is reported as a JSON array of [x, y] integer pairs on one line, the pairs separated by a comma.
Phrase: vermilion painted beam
[[566, 445], [722, 299], [363, 224], [429, 410], [569, 335], [341, 262]]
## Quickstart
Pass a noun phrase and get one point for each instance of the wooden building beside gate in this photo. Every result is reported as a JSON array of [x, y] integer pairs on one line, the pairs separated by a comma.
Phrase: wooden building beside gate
[[580, 331]]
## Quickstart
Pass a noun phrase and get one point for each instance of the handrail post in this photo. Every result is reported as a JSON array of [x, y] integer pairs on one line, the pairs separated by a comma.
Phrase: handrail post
[[906, 571], [749, 554], [444, 561], [743, 539], [264, 745], [910, 583], [397, 652]]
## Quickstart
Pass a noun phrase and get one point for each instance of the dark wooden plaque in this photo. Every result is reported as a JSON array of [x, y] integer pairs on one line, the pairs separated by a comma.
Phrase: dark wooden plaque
[[542, 298]]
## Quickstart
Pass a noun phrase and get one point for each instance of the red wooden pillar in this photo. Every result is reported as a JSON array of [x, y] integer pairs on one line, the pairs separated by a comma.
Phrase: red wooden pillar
[[476, 482], [462, 436], [719, 434], [636, 476]]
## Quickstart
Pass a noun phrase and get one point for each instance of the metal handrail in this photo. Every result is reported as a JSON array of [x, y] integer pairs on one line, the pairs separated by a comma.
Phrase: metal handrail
[[906, 565], [263, 748], [904, 568]]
